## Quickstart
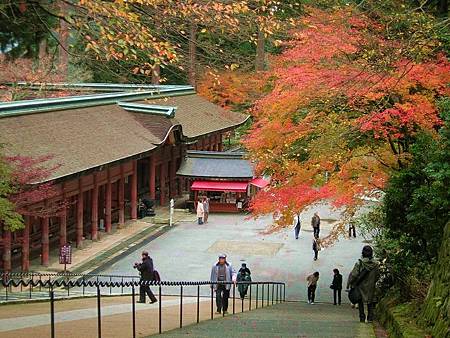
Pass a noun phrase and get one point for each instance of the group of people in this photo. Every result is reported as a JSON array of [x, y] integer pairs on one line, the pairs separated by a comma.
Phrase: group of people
[[360, 284], [315, 224], [202, 210]]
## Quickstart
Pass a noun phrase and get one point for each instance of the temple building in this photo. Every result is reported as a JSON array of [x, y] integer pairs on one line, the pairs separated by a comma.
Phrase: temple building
[[110, 147]]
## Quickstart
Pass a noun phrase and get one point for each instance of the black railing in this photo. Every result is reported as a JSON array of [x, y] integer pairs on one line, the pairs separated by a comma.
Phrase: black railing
[[266, 293]]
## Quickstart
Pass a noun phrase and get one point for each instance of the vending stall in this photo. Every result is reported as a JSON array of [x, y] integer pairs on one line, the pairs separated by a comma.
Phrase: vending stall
[[226, 178]]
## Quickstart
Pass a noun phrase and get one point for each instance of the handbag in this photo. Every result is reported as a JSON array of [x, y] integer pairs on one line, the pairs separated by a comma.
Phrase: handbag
[[354, 294]]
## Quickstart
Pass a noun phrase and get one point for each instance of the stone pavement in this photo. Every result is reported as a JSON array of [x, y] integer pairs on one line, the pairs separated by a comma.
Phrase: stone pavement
[[284, 320], [188, 251]]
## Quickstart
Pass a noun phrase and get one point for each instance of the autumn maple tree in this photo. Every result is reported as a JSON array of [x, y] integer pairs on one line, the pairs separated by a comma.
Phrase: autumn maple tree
[[346, 99]]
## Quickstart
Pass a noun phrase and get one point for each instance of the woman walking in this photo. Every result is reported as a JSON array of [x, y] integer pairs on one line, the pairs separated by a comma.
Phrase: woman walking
[[200, 212]]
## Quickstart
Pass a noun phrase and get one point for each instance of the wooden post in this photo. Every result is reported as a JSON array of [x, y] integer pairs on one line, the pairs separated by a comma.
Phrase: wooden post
[[80, 202], [152, 176], [94, 210], [45, 245], [121, 197], [6, 250], [192, 54], [220, 145], [108, 203], [63, 228], [26, 244], [134, 192]]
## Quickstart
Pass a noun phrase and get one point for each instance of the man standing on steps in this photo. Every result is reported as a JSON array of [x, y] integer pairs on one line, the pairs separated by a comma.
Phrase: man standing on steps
[[222, 271], [312, 285], [315, 223], [146, 270]]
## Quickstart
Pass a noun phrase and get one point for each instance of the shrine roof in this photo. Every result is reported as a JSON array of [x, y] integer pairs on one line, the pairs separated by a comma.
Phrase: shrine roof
[[216, 165], [81, 137]]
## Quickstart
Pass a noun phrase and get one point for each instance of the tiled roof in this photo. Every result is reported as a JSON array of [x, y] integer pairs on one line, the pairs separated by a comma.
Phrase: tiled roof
[[218, 165], [83, 138]]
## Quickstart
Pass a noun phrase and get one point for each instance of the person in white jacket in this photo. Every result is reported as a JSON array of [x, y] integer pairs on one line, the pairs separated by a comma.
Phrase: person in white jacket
[[200, 212]]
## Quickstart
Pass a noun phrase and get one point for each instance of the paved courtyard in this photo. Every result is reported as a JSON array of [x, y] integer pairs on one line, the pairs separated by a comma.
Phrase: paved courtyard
[[188, 251]]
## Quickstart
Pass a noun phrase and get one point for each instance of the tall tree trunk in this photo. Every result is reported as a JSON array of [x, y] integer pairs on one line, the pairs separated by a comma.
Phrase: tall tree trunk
[[192, 54], [63, 43], [156, 74], [260, 52], [442, 7]]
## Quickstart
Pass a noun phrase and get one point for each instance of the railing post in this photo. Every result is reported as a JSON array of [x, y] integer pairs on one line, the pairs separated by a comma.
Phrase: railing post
[[181, 306], [52, 314], [160, 309], [198, 303], [250, 298], [99, 314], [110, 286], [257, 287], [273, 289], [284, 292], [234, 297], [121, 287], [84, 282], [133, 310], [277, 294], [242, 304], [212, 301], [268, 294], [262, 295]]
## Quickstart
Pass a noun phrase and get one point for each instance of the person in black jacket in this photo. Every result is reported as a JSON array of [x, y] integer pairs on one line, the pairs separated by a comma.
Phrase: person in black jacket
[[336, 285], [146, 270]]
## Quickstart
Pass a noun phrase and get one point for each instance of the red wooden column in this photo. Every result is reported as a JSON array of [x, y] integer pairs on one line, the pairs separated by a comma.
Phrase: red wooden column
[[162, 179], [121, 197], [216, 142], [6, 250], [172, 171], [152, 176], [134, 192], [63, 223], [26, 244], [80, 202], [108, 203], [94, 210], [45, 245]]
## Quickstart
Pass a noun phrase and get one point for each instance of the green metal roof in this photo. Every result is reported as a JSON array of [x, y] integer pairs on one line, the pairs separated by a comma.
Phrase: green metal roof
[[25, 107]]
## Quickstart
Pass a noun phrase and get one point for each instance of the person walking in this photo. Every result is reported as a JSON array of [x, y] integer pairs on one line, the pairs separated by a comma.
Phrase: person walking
[[222, 274], [297, 225], [244, 275], [336, 285], [316, 247], [205, 209], [312, 286], [146, 271], [351, 228], [315, 223], [200, 211], [364, 277]]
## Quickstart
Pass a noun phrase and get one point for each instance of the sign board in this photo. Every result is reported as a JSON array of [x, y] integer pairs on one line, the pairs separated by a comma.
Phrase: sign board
[[65, 254]]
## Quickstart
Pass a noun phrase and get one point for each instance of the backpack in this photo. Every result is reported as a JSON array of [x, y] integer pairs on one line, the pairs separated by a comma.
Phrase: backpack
[[156, 276]]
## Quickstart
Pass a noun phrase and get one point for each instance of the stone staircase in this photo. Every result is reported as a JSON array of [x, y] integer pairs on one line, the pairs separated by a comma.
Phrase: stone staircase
[[292, 319]]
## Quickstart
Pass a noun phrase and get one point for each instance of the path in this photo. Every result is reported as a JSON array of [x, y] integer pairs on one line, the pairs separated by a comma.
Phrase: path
[[187, 252], [284, 320]]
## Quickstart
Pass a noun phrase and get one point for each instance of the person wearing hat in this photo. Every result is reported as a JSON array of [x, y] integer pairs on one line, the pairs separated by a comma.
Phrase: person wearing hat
[[146, 270], [223, 274], [244, 275]]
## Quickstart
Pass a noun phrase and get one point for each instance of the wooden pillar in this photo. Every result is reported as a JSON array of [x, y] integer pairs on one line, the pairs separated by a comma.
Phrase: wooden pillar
[[134, 191], [26, 244], [152, 176], [94, 210], [63, 228], [121, 197], [6, 250], [45, 244], [156, 74], [172, 172], [162, 180], [108, 203], [260, 52], [220, 145], [80, 202]]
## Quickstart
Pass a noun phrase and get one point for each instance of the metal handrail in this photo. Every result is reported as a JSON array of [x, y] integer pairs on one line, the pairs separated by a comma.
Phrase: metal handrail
[[264, 296]]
